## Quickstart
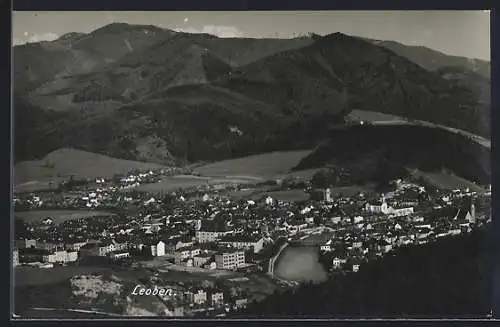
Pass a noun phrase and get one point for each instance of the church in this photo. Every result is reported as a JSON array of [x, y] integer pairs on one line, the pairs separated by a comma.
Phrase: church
[[382, 207]]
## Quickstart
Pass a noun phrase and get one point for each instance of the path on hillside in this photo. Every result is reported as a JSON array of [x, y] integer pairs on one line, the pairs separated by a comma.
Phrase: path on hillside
[[476, 138]]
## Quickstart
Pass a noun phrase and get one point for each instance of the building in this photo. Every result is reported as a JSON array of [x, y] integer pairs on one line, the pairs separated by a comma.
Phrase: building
[[200, 297], [232, 259], [400, 211], [117, 255], [295, 226], [335, 220], [76, 246], [382, 207], [47, 221], [90, 250], [337, 262], [247, 242], [327, 247], [217, 299], [105, 247], [172, 246], [328, 195], [185, 253], [466, 214], [157, 248], [201, 259], [32, 254], [178, 311], [26, 243], [15, 258], [49, 246], [211, 230], [212, 265], [241, 303], [60, 257], [377, 206]]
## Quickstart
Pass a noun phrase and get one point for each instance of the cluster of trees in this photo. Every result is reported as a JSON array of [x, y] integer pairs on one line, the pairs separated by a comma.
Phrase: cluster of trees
[[381, 173], [451, 277], [382, 151]]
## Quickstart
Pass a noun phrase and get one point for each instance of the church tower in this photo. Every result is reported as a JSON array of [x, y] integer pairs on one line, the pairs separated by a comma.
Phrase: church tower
[[472, 213], [328, 195]]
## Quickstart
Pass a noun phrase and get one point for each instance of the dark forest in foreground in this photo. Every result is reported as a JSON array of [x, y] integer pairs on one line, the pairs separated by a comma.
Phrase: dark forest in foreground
[[448, 278]]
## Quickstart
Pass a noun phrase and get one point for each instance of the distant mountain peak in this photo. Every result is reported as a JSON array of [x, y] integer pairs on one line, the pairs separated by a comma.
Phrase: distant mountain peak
[[118, 27], [71, 35], [336, 35]]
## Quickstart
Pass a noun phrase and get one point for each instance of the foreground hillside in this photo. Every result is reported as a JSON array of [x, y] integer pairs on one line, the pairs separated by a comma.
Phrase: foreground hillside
[[450, 278], [425, 148]]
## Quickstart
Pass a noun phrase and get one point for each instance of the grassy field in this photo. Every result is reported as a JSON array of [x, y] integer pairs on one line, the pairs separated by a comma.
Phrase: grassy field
[[173, 183], [58, 216], [301, 174], [267, 165], [372, 116], [287, 195], [29, 276], [66, 162], [447, 181]]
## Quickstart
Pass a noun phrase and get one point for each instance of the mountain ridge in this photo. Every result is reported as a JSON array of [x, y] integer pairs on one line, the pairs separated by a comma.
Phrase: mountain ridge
[[280, 94]]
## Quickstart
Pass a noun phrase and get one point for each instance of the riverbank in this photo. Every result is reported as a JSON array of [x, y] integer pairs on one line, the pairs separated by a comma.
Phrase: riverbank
[[274, 258]]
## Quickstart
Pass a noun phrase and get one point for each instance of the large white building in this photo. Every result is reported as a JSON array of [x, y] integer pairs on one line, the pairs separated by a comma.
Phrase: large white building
[[157, 249], [230, 259], [382, 207], [61, 257]]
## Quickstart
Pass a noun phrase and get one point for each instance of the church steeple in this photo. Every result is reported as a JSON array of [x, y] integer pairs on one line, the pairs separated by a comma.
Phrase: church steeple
[[472, 213]]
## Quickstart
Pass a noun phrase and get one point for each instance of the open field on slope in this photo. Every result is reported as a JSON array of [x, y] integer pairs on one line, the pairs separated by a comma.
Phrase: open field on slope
[[448, 181], [58, 216], [267, 165], [305, 174], [378, 118], [66, 162]]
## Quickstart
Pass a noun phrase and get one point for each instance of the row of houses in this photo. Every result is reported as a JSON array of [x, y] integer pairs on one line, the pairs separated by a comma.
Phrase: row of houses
[[42, 255]]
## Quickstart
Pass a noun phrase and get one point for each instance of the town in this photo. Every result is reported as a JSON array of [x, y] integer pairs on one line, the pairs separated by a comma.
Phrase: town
[[207, 229]]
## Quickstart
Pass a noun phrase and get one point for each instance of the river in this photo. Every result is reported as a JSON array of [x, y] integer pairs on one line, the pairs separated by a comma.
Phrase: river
[[300, 263]]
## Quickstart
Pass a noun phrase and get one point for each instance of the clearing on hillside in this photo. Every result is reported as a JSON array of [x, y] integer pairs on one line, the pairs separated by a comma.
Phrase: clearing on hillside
[[448, 181], [265, 165], [80, 164]]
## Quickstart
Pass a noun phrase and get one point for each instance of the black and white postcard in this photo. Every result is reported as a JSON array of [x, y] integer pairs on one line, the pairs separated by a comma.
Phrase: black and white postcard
[[251, 165]]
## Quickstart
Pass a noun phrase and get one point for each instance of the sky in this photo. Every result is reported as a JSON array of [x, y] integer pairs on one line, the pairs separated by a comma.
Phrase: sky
[[460, 33]]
